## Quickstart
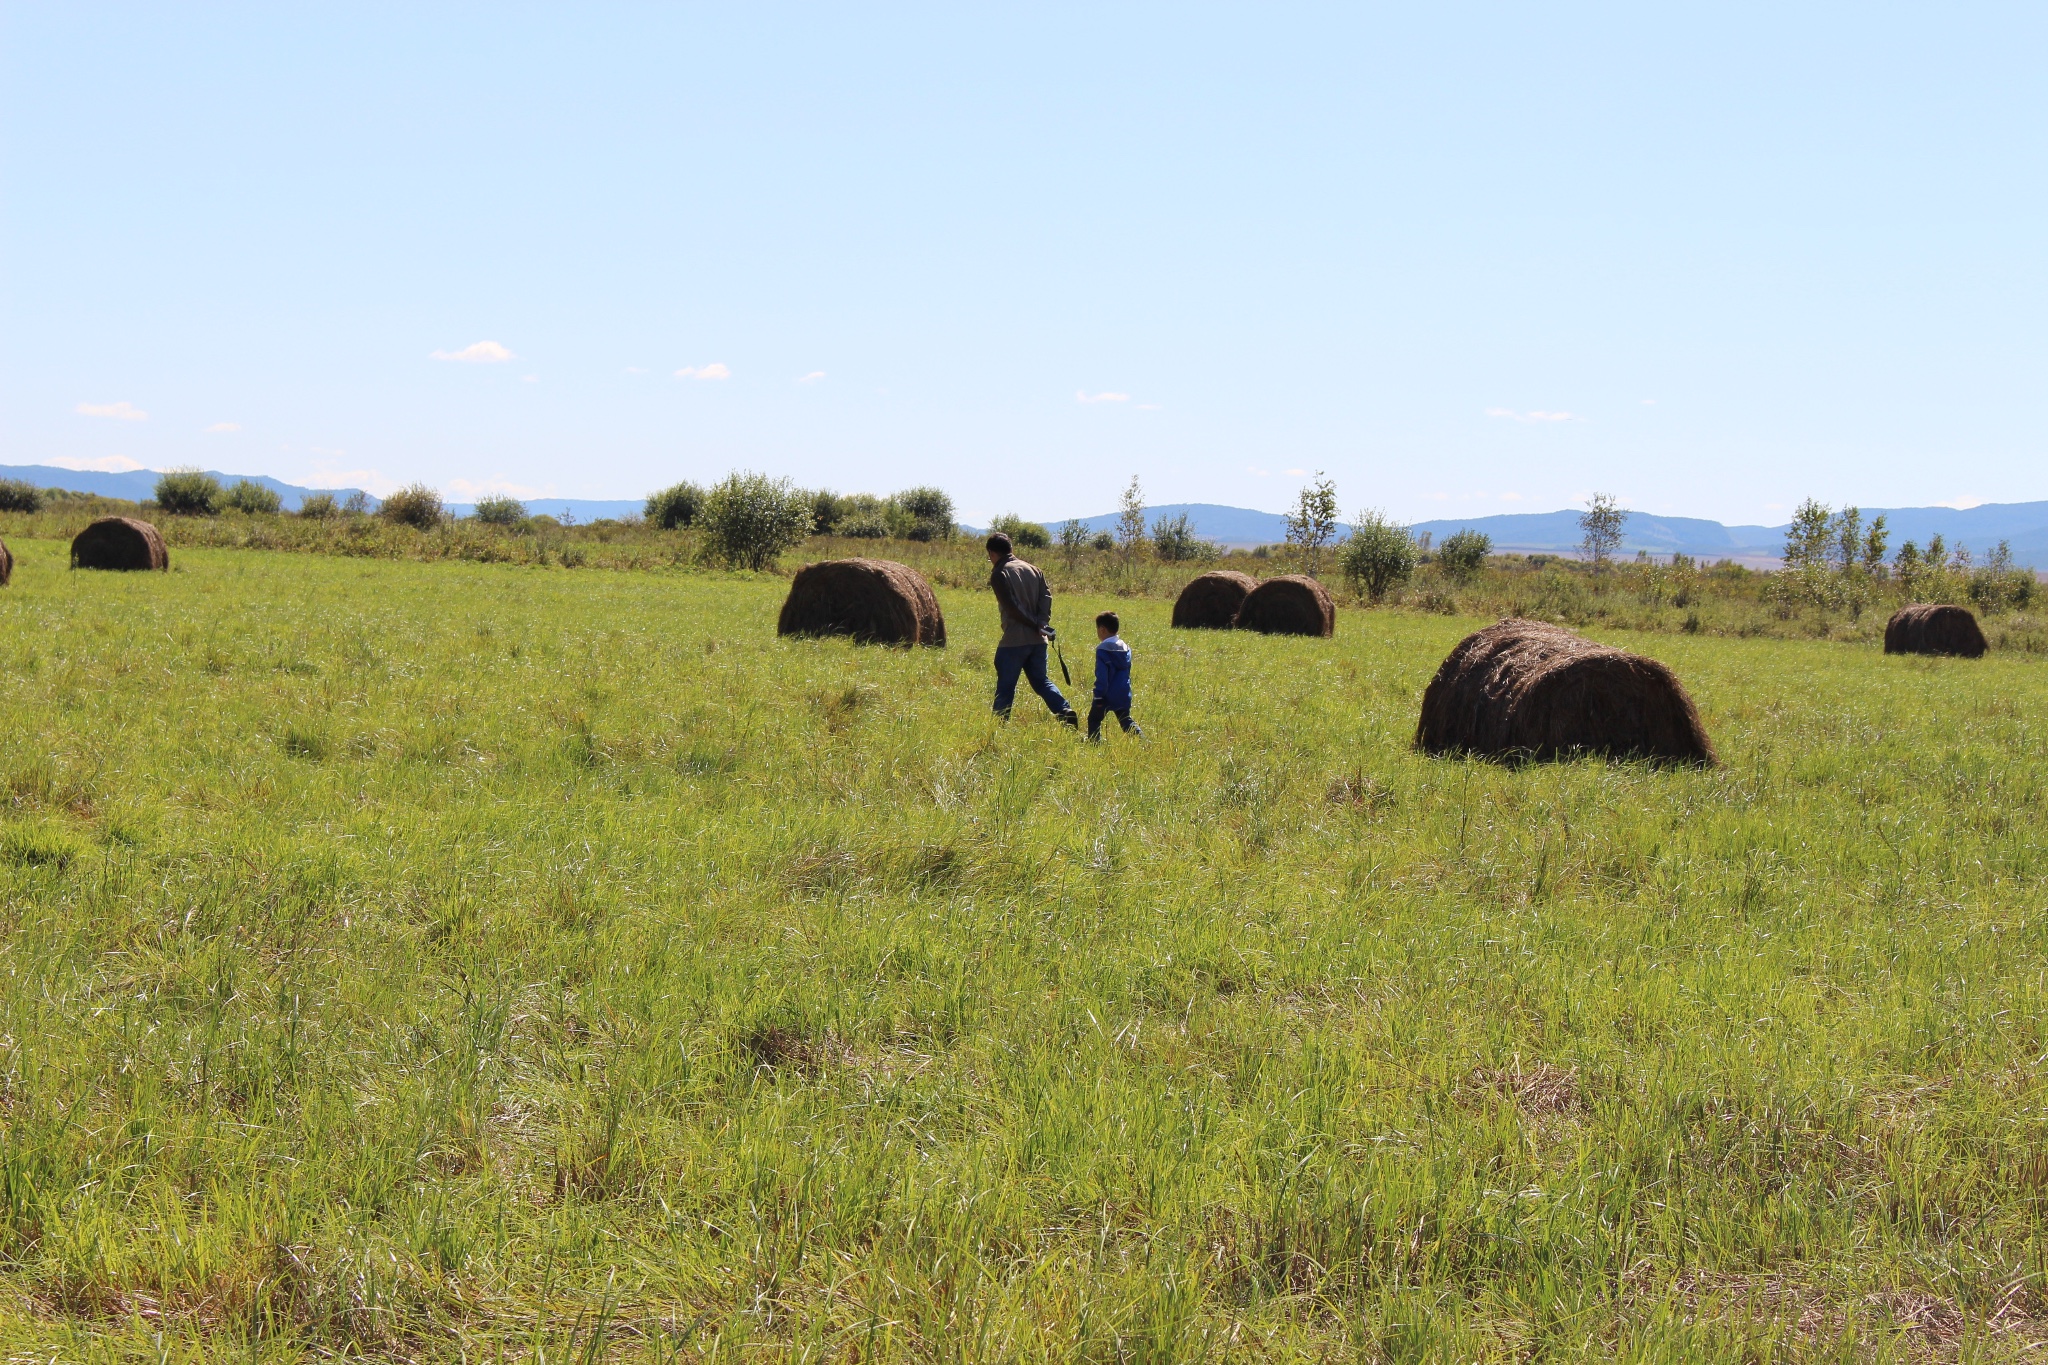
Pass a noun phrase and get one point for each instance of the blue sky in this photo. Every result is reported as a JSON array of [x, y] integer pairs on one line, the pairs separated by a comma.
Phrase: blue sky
[[1467, 259]]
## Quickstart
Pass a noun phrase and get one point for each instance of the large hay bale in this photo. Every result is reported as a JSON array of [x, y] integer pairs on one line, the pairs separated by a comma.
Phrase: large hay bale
[[1292, 604], [1211, 601], [1931, 628], [6, 564], [876, 601], [1523, 689], [119, 543]]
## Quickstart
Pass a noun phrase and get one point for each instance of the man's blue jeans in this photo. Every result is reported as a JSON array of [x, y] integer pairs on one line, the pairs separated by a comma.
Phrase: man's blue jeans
[[1030, 661]]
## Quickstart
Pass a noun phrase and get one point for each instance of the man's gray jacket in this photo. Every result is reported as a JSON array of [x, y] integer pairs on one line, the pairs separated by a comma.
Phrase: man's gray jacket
[[1024, 599]]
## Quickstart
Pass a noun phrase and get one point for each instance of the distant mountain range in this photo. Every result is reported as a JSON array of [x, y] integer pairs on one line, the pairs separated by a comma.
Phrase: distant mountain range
[[2024, 525]]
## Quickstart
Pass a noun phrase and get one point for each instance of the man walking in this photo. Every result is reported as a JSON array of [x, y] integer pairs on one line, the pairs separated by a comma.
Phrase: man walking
[[1025, 603]]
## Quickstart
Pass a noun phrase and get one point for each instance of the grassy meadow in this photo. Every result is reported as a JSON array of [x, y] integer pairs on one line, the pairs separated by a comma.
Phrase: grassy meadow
[[464, 961]]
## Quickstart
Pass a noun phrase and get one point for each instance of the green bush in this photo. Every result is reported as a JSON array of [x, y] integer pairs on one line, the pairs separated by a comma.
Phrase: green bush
[[1174, 540], [18, 495], [1025, 535], [863, 526], [319, 506], [414, 505], [749, 519], [249, 496], [499, 510], [675, 507], [1380, 555], [930, 512], [1463, 554], [188, 493], [826, 512]]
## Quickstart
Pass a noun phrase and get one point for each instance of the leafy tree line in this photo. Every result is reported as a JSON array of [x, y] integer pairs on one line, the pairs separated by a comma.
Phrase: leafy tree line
[[1833, 559]]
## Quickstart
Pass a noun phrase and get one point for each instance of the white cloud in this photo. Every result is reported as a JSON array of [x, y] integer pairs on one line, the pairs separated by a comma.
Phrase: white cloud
[[470, 490], [1514, 416], [98, 464], [813, 377], [715, 370], [1964, 503], [123, 411], [477, 353], [1511, 497], [1297, 473], [1083, 396], [1534, 416], [325, 475], [1257, 472], [1148, 407], [225, 426]]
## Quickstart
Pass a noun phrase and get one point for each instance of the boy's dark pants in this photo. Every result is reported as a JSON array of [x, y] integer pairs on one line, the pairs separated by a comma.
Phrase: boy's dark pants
[[1099, 709]]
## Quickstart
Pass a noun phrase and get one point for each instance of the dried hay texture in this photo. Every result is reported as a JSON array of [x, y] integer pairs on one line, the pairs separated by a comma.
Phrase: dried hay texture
[[1211, 601], [876, 601], [119, 543], [6, 565], [1928, 628], [1526, 690], [1293, 604]]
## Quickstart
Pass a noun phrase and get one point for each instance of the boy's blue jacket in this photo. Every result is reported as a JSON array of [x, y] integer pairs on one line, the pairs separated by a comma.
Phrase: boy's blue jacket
[[1113, 674]]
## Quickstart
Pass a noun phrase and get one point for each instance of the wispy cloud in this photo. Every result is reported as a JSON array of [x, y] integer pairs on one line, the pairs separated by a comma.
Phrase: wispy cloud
[[1148, 407], [1511, 497], [813, 377], [529, 379], [98, 464], [1964, 503], [225, 426], [477, 353], [123, 411], [715, 370], [470, 490], [328, 475], [1514, 416], [1083, 396]]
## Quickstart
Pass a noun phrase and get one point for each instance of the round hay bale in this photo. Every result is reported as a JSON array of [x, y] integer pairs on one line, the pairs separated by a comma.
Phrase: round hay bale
[[1292, 604], [1930, 628], [6, 565], [1526, 690], [1211, 601], [876, 601], [119, 543]]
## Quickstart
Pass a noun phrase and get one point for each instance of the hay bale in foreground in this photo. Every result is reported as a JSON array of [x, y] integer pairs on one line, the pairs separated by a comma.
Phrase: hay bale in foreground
[[6, 564], [1292, 604], [876, 601], [1523, 689], [1931, 628], [1211, 601], [119, 543]]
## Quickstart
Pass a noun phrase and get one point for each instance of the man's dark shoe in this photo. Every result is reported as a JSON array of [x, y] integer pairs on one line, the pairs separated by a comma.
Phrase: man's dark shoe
[[1071, 718]]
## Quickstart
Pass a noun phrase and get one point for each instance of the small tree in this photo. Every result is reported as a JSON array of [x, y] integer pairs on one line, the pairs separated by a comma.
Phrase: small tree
[[1380, 554], [1806, 539], [414, 505], [1073, 540], [930, 512], [827, 509], [1847, 530], [1174, 540], [249, 496], [18, 495], [1313, 522], [1130, 521], [748, 519], [1600, 525], [1027, 535], [1102, 542], [497, 509], [1463, 554], [188, 493], [357, 504], [318, 506], [675, 506], [1873, 547]]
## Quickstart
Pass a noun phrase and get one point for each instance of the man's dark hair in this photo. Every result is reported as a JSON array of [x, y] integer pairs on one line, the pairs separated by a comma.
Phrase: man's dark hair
[[1000, 541], [1108, 618]]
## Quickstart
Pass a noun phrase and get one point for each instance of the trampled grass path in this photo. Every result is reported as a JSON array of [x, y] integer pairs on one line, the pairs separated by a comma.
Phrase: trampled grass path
[[432, 961]]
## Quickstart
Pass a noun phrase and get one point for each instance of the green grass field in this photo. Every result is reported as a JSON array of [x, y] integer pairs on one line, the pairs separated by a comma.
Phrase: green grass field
[[452, 961]]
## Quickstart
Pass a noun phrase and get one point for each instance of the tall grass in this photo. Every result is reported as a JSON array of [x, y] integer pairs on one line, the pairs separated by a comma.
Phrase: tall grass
[[446, 961]]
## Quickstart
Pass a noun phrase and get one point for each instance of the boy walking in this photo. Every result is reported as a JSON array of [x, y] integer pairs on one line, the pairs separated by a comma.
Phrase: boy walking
[[1112, 678]]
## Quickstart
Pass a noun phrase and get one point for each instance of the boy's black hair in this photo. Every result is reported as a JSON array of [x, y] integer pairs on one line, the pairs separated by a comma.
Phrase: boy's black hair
[[1000, 540], [1108, 618]]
